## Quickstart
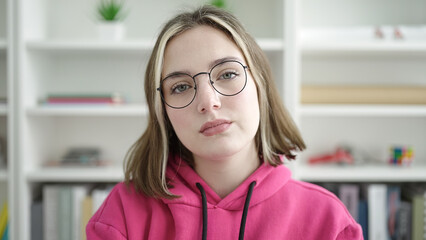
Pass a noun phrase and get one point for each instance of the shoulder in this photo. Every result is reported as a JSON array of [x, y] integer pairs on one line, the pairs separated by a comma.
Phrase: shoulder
[[312, 192], [123, 207], [316, 199], [320, 209]]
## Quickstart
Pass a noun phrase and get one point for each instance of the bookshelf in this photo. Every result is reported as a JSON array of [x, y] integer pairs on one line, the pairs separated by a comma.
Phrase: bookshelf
[[361, 60], [7, 110], [56, 55]]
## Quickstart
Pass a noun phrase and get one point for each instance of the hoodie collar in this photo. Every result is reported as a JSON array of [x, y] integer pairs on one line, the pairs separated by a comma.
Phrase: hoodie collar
[[268, 179]]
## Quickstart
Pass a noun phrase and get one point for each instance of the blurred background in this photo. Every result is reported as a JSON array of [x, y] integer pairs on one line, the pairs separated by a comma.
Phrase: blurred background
[[352, 74]]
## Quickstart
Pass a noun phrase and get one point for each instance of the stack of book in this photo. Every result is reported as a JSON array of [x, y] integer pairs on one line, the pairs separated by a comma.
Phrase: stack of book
[[334, 94], [65, 211], [84, 99], [79, 157], [386, 212]]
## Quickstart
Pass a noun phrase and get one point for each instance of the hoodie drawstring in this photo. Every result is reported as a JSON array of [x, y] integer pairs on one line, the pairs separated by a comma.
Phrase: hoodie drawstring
[[243, 218], [203, 197]]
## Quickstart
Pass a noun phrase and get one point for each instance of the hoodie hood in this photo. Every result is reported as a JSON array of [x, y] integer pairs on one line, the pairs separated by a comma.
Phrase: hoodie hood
[[183, 178]]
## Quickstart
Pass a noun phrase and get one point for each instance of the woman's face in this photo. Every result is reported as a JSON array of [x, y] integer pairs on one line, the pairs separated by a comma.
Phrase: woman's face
[[213, 126]]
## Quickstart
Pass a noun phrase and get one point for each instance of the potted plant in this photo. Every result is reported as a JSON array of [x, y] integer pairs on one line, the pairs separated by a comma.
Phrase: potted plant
[[218, 3], [111, 15]]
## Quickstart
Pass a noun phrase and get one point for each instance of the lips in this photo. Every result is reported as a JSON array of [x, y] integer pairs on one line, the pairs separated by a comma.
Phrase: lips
[[215, 127]]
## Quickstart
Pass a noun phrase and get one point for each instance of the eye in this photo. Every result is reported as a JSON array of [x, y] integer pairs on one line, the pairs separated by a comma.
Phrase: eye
[[180, 88], [228, 75]]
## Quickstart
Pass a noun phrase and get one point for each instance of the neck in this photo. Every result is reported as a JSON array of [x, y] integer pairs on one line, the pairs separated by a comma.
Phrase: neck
[[226, 174]]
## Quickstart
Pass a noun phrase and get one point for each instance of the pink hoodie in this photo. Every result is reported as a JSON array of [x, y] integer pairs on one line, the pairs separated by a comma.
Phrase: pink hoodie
[[279, 208]]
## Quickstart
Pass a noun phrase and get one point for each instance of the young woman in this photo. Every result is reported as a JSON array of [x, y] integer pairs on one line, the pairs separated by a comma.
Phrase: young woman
[[210, 163]]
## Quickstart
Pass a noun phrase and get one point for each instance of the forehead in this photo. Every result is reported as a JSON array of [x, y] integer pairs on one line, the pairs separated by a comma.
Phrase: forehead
[[197, 48]]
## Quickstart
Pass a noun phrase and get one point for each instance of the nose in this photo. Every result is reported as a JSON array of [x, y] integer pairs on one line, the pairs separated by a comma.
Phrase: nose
[[207, 98]]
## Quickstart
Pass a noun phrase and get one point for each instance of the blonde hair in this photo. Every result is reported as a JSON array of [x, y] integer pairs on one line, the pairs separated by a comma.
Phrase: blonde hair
[[277, 135]]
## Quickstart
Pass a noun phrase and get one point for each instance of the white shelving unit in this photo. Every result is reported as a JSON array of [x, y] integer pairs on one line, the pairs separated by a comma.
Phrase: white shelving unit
[[57, 51], [7, 127], [57, 55], [368, 129]]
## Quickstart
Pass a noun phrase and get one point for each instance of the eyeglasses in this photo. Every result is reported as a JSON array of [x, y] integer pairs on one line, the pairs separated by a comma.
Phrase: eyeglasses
[[228, 78]]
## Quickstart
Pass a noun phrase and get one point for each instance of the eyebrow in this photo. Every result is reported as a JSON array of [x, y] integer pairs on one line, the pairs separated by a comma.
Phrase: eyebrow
[[211, 65]]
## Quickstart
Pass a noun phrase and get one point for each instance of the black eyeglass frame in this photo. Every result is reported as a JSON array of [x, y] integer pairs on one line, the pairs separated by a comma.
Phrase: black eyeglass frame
[[210, 80]]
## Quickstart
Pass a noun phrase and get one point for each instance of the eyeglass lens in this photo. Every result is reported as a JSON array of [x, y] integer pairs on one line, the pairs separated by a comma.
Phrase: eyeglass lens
[[228, 78]]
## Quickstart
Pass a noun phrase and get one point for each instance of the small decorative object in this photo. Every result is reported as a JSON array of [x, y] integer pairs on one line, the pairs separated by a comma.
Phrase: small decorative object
[[111, 13], [342, 155], [218, 3], [79, 157], [401, 155], [397, 34]]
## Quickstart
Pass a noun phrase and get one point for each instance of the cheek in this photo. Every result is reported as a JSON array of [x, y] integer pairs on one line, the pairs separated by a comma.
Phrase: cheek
[[247, 104], [180, 121]]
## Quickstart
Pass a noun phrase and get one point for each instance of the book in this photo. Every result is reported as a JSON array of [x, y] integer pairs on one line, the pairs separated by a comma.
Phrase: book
[[415, 193], [50, 212], [424, 215], [6, 233], [3, 218], [363, 217], [65, 211], [393, 207], [404, 223], [377, 195], [79, 193], [418, 218], [86, 214], [113, 98], [37, 220], [349, 195], [334, 94]]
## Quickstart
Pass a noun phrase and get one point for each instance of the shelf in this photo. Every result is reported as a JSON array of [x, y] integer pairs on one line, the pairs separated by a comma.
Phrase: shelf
[[135, 110], [69, 46], [361, 173], [73, 174], [362, 110], [62, 46], [3, 175], [365, 47]]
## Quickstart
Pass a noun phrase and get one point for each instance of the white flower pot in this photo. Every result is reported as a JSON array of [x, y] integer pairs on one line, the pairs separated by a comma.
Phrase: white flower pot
[[111, 31]]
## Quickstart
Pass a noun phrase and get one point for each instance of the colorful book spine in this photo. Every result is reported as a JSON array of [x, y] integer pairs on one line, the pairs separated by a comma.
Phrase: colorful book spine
[[393, 206], [6, 233], [3, 219]]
